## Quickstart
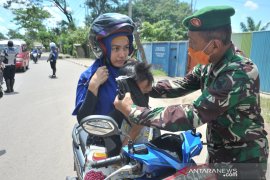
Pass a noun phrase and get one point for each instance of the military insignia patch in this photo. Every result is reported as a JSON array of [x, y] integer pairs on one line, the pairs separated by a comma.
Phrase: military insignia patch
[[195, 22], [222, 83]]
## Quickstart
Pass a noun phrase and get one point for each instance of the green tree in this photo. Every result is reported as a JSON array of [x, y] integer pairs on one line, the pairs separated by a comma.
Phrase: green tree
[[14, 34], [251, 26], [31, 19], [163, 30], [157, 16], [68, 39], [62, 5], [2, 36], [99, 7], [46, 37]]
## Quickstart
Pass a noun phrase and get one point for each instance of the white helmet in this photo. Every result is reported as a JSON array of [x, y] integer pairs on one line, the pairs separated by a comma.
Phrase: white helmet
[[52, 44]]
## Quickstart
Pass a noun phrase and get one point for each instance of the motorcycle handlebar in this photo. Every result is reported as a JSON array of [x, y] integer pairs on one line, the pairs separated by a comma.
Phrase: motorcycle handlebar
[[107, 162]]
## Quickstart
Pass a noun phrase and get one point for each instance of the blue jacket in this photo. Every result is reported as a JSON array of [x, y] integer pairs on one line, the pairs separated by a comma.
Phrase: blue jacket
[[107, 91]]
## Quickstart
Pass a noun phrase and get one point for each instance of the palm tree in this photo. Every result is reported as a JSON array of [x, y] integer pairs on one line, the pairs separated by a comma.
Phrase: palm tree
[[252, 27]]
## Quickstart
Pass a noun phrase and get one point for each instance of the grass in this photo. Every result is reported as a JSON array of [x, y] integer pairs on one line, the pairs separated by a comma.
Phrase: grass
[[158, 72], [265, 106]]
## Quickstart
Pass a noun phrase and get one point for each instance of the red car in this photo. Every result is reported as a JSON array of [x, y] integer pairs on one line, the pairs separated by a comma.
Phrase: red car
[[22, 58]]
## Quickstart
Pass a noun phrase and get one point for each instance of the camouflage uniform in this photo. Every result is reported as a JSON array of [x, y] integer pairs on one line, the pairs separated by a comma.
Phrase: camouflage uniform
[[229, 104]]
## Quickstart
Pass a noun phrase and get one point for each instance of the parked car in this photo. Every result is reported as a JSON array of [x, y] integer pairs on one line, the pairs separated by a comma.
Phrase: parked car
[[22, 58]]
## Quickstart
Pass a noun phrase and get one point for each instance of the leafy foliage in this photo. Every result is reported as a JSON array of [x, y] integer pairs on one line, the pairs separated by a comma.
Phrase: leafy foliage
[[13, 34], [31, 18], [158, 20], [251, 26], [2, 36], [99, 7], [60, 4], [78, 36], [163, 30]]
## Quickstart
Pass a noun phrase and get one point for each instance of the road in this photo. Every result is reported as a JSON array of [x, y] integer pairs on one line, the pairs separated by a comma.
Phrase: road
[[36, 123]]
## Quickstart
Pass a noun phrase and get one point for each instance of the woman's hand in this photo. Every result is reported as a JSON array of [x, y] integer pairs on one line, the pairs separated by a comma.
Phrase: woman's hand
[[101, 75]]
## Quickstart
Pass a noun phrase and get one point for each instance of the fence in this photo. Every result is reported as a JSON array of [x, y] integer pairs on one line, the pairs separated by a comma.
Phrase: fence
[[172, 57]]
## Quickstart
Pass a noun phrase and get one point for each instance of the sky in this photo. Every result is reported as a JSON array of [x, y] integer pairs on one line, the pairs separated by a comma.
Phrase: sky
[[75, 6], [259, 10]]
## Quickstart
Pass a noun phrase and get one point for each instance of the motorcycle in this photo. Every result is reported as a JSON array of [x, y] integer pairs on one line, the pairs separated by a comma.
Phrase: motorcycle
[[34, 56], [85, 154], [157, 159], [39, 53]]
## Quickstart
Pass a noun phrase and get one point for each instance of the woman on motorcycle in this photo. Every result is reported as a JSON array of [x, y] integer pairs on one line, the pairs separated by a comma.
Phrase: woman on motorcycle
[[111, 40]]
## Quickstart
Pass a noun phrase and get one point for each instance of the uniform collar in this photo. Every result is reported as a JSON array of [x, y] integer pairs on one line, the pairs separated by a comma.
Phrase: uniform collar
[[224, 62]]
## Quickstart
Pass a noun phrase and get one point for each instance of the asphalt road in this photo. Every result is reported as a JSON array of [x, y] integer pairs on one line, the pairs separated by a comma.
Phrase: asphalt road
[[36, 123]]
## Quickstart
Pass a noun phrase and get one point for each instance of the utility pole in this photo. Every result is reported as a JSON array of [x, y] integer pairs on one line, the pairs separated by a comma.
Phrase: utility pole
[[139, 45], [193, 5], [130, 8], [136, 34]]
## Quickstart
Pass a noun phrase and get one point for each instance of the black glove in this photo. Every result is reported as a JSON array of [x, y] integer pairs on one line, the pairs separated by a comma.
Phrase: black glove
[[122, 86]]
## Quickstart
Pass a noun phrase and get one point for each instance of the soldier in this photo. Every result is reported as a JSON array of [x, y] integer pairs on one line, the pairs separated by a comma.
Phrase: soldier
[[229, 102]]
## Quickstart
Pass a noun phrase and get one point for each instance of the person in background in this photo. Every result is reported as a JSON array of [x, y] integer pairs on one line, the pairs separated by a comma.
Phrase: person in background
[[229, 103], [34, 54], [2, 66], [39, 51], [52, 58], [10, 68]]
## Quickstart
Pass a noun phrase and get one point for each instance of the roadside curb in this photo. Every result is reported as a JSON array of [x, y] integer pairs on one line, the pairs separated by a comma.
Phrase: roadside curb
[[83, 63], [87, 62]]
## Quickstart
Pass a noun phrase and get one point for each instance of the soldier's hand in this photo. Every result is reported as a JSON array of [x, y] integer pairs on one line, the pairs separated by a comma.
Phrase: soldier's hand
[[124, 105]]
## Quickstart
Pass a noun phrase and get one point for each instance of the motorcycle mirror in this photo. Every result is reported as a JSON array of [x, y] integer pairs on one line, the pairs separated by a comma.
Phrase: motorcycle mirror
[[100, 125]]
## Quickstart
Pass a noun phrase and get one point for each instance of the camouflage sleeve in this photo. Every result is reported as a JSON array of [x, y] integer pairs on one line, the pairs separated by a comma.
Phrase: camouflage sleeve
[[226, 91], [177, 88]]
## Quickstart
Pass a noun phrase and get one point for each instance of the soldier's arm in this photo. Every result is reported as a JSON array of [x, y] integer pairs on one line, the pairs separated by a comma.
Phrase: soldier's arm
[[177, 88], [227, 91]]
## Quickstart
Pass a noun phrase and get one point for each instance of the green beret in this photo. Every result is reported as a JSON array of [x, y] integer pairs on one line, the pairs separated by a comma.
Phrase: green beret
[[208, 18]]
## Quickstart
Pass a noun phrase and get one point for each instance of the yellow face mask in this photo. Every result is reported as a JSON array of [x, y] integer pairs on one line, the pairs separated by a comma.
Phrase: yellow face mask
[[199, 56]]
